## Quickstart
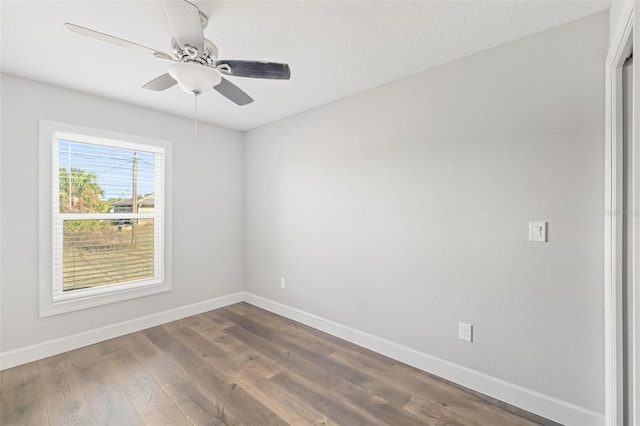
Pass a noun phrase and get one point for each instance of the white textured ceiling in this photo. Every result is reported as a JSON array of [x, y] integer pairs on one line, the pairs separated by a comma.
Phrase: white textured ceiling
[[335, 49]]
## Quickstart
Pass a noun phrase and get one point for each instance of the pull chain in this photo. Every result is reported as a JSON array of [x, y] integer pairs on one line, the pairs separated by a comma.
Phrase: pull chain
[[195, 120], [195, 133]]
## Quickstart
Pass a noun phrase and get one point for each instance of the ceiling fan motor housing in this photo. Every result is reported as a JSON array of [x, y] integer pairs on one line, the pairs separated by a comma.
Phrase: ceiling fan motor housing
[[209, 55]]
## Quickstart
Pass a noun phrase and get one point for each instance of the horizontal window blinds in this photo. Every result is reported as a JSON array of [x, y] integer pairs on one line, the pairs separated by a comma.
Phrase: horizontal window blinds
[[107, 215]]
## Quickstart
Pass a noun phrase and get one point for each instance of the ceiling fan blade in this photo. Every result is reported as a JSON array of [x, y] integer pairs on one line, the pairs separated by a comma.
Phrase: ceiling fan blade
[[255, 69], [233, 92], [185, 23], [97, 35], [161, 83]]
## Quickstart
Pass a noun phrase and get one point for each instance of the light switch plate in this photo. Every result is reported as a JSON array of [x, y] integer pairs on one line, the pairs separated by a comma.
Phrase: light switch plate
[[538, 231]]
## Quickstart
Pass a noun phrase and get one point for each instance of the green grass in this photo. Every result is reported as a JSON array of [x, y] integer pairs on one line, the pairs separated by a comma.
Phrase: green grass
[[97, 253]]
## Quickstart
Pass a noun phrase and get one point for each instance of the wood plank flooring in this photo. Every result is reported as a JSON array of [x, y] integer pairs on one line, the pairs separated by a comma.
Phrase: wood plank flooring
[[239, 365]]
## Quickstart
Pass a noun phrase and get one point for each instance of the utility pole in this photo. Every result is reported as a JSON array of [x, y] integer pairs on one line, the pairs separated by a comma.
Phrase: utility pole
[[134, 198], [69, 191]]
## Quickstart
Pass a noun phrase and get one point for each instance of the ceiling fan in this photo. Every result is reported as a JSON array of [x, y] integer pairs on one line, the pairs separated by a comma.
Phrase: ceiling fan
[[196, 67]]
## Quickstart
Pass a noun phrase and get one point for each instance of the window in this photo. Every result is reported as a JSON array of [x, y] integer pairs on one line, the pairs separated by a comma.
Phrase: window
[[104, 222]]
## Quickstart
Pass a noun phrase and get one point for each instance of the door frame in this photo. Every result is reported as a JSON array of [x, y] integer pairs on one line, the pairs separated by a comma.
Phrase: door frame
[[620, 46]]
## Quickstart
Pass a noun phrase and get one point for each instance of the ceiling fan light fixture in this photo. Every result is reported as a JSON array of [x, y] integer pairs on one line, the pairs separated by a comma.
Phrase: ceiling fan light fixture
[[193, 77], [196, 67]]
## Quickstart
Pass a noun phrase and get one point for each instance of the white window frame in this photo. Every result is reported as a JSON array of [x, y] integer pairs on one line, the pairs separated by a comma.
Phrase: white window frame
[[52, 302]]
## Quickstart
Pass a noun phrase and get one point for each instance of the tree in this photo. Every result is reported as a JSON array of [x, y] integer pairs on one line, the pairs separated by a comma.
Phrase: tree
[[80, 192]]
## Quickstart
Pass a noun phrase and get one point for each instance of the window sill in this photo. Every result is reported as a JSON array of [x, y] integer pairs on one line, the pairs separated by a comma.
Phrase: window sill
[[48, 307]]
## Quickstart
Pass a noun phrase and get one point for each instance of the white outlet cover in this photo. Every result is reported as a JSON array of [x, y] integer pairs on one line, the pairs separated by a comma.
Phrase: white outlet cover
[[538, 231], [283, 283], [465, 332]]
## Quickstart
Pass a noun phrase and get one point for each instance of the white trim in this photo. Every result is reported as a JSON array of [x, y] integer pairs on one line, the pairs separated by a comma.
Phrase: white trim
[[634, 374], [49, 302], [620, 46], [535, 402], [56, 346]]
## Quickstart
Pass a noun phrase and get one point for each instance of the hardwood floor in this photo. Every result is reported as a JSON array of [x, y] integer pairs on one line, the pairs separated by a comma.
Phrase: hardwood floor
[[238, 365]]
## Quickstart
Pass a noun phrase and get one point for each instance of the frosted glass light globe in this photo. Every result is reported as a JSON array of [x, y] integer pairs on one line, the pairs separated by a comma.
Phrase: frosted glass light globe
[[193, 77]]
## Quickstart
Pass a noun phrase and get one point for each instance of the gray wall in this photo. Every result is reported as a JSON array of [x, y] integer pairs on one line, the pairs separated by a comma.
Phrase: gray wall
[[207, 209], [405, 209]]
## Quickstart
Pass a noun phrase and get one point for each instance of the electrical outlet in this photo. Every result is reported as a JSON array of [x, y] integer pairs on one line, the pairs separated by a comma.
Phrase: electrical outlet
[[465, 332], [282, 283]]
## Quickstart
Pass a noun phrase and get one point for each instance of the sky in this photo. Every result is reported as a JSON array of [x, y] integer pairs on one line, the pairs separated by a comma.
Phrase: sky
[[113, 167]]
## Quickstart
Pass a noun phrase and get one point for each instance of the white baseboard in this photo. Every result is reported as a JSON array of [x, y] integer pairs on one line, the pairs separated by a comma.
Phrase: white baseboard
[[535, 402], [56, 346]]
